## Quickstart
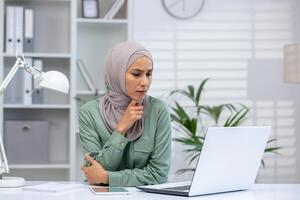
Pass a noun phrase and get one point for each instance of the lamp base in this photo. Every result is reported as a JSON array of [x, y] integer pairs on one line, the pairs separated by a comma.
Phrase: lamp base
[[11, 182]]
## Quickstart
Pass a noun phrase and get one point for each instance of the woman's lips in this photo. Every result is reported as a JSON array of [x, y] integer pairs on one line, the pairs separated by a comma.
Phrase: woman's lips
[[141, 92]]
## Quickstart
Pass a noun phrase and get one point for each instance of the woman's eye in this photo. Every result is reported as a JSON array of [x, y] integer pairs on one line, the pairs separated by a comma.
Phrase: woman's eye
[[149, 74], [136, 74]]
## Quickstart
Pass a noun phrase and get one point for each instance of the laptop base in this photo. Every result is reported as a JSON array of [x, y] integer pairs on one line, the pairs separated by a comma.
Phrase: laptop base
[[167, 191]]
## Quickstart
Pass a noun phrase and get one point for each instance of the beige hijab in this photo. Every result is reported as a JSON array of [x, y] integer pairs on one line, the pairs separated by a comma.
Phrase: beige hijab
[[115, 101]]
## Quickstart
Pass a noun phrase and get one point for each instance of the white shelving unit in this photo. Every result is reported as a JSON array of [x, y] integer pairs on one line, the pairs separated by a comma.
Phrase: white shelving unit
[[49, 166], [37, 106], [41, 55], [61, 36], [102, 21], [94, 37], [52, 44]]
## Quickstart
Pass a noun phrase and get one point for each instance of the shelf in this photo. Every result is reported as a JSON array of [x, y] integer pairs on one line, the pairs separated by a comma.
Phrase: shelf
[[40, 55], [40, 166], [102, 21], [88, 93], [37, 106]]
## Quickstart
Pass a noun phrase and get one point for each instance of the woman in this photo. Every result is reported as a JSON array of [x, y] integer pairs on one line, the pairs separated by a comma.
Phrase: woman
[[126, 134]]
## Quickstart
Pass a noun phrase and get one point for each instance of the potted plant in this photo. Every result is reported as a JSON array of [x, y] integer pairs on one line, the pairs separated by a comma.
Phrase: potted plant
[[193, 127]]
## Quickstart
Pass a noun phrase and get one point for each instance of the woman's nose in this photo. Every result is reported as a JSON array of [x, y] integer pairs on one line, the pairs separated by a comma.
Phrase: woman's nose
[[145, 81]]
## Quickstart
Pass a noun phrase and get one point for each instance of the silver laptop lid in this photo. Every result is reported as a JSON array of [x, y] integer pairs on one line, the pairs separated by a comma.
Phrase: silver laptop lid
[[230, 159]]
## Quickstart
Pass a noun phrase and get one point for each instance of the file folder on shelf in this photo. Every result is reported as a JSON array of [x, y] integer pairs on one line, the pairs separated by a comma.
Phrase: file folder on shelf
[[19, 27], [113, 10], [14, 90], [27, 92], [37, 95], [28, 29], [10, 29], [86, 76]]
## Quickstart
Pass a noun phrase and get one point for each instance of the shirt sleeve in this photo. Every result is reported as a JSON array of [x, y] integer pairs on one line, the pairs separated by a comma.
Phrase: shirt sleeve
[[157, 169], [92, 144]]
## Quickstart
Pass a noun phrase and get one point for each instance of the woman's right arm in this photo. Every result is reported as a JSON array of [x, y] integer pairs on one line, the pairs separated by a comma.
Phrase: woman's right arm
[[108, 154]]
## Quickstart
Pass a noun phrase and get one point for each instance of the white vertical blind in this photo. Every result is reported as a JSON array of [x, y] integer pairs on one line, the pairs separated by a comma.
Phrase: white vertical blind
[[219, 43]]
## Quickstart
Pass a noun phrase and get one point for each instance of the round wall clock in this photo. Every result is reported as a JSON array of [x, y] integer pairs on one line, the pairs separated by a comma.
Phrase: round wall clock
[[183, 9]]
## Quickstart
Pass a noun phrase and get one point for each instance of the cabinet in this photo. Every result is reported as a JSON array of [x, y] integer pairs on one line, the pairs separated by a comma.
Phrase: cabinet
[[61, 36]]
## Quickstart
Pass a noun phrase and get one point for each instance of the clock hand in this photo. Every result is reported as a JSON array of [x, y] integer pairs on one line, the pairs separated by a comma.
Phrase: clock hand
[[174, 3]]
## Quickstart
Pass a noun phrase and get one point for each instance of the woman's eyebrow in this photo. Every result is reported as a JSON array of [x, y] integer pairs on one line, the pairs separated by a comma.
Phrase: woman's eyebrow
[[140, 70]]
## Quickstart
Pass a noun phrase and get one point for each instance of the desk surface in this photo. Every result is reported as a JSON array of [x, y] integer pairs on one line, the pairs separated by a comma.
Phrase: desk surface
[[258, 192]]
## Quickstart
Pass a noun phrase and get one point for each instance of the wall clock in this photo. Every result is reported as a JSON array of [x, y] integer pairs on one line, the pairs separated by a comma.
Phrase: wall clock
[[183, 9]]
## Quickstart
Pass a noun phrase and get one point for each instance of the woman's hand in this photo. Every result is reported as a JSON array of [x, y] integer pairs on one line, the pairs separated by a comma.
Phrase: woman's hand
[[133, 113], [95, 173]]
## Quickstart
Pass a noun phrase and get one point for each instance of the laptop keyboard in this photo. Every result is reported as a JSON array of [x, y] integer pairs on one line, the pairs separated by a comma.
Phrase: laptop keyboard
[[180, 188]]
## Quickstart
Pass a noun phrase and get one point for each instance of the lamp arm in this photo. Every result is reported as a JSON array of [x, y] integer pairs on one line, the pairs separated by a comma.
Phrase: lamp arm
[[20, 63], [3, 160], [10, 75]]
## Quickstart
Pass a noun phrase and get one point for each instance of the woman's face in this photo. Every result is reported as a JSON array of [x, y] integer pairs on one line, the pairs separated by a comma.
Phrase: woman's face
[[138, 78]]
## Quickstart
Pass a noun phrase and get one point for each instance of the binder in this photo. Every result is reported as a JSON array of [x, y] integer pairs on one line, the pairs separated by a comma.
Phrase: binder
[[38, 93], [113, 10], [10, 29], [27, 90], [19, 28], [28, 29], [85, 74], [14, 90]]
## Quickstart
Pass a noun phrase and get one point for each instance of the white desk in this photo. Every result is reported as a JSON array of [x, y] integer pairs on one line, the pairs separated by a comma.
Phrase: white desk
[[258, 192]]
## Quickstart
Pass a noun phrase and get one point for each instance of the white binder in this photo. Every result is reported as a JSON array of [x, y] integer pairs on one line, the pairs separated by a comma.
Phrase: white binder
[[28, 30], [37, 95], [19, 28], [10, 30], [27, 90], [86, 75], [14, 90], [113, 10]]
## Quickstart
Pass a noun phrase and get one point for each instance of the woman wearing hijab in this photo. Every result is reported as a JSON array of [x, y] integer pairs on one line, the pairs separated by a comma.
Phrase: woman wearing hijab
[[126, 134]]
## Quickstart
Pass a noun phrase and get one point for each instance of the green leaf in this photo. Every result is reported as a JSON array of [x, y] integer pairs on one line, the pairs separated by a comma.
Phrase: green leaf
[[183, 119], [181, 114], [272, 149], [199, 91], [191, 92], [178, 91], [183, 92], [193, 158], [271, 140], [235, 119], [213, 111]]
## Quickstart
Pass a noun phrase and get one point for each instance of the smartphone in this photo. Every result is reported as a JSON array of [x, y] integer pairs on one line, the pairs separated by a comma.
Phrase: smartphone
[[108, 190]]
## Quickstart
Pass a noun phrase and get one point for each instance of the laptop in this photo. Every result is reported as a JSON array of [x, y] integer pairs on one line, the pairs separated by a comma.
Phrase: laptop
[[229, 161]]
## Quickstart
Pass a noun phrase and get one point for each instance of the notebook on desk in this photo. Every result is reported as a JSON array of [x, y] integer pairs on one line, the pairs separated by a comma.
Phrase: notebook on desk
[[229, 161], [53, 187]]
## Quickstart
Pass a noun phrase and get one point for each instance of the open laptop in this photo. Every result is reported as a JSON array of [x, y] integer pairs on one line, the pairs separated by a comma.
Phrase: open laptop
[[229, 161]]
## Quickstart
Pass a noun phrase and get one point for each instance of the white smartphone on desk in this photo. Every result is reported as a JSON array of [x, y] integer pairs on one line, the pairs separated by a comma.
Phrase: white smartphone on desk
[[108, 190]]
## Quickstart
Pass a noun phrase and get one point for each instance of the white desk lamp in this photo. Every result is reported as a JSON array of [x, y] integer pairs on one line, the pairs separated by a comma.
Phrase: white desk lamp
[[52, 80]]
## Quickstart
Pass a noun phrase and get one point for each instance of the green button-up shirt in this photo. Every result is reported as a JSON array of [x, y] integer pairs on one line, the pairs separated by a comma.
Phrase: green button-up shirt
[[129, 163]]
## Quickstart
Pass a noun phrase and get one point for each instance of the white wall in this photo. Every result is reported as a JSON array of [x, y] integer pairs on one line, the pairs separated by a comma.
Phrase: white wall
[[238, 43]]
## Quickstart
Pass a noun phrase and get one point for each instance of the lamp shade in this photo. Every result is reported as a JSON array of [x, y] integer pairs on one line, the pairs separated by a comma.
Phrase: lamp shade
[[291, 63], [55, 80]]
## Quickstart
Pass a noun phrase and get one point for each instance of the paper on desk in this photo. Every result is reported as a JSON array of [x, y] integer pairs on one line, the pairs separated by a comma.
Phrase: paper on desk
[[52, 187]]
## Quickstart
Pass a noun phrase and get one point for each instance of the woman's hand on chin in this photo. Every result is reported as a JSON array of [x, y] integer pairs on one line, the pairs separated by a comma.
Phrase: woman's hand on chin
[[133, 113]]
